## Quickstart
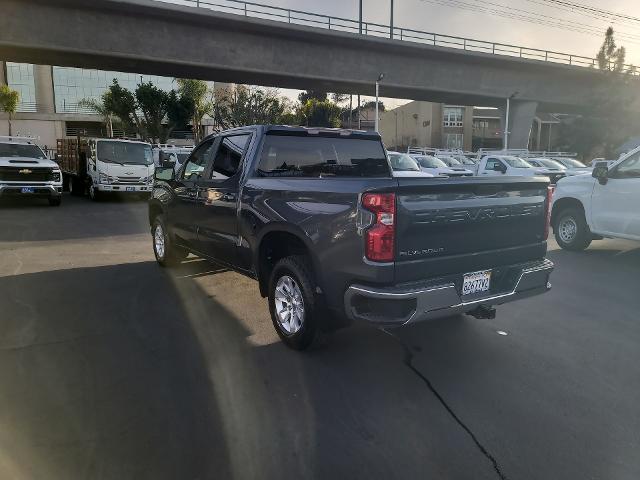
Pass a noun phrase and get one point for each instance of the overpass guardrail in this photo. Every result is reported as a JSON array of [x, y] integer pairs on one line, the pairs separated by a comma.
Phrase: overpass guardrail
[[298, 17]]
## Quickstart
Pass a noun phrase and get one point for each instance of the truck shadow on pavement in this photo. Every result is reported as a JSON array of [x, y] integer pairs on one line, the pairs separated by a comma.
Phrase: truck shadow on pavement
[[132, 371], [33, 220]]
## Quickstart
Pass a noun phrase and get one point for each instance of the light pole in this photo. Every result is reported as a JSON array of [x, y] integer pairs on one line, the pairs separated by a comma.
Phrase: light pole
[[380, 77], [506, 120], [391, 22], [360, 23]]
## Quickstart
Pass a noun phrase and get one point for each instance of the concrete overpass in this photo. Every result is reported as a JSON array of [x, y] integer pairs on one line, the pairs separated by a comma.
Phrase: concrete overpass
[[152, 37]]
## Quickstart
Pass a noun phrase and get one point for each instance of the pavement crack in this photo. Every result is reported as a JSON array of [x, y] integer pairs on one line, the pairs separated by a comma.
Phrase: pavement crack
[[408, 361]]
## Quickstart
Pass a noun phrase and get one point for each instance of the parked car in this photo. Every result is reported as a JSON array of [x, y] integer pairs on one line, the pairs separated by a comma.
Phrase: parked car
[[548, 164], [332, 237], [456, 165], [437, 167], [573, 166], [26, 171], [605, 204], [403, 165], [511, 165], [100, 166], [170, 155]]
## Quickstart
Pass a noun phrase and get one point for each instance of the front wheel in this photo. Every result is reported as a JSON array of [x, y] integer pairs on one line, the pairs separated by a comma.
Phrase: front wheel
[[292, 304], [167, 254], [94, 193], [55, 201], [571, 230]]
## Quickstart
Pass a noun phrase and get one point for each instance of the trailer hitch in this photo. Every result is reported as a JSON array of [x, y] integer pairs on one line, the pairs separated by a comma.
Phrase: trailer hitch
[[483, 312]]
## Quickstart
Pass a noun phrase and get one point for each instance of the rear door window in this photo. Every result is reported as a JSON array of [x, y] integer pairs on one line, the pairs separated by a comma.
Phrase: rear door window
[[317, 156]]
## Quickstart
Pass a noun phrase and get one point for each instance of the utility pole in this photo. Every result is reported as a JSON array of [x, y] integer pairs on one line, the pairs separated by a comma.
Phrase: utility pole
[[359, 126], [360, 23]]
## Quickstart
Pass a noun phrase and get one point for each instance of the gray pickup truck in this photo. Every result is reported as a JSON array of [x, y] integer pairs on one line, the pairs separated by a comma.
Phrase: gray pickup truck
[[316, 217]]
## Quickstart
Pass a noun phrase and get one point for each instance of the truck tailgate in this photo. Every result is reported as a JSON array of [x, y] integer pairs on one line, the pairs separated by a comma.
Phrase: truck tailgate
[[452, 226]]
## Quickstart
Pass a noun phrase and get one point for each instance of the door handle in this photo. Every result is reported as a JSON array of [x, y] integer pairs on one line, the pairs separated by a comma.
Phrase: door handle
[[228, 197]]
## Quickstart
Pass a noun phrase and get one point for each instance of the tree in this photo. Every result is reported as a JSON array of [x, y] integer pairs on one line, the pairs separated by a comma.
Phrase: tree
[[9, 100], [122, 103], [249, 106], [98, 106], [311, 94], [612, 117], [372, 104], [339, 97], [151, 112], [316, 113], [201, 97], [610, 57], [610, 121]]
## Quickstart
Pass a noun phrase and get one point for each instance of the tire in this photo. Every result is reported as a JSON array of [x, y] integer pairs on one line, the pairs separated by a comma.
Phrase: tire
[[75, 186], [167, 254], [94, 193], [571, 230], [55, 201], [292, 293]]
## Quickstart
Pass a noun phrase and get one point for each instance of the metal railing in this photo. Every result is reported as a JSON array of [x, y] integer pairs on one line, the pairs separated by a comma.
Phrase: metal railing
[[298, 17]]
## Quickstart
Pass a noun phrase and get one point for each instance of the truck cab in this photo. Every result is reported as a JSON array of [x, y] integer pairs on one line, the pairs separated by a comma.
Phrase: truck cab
[[99, 166], [603, 204], [511, 165], [27, 172]]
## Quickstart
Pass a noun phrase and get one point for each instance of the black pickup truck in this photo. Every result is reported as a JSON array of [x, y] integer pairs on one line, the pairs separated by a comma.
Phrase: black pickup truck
[[318, 219]]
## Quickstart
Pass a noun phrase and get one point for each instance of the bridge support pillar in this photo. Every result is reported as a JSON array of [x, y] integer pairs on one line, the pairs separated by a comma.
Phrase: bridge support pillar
[[521, 116], [43, 80]]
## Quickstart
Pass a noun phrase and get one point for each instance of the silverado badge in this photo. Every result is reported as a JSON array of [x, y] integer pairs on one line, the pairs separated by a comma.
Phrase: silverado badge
[[25, 171]]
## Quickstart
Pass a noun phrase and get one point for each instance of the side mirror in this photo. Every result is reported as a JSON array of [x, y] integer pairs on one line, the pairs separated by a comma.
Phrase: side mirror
[[164, 173], [601, 172]]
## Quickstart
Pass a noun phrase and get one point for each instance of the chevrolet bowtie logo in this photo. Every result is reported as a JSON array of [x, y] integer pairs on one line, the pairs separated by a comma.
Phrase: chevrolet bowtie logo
[[25, 171]]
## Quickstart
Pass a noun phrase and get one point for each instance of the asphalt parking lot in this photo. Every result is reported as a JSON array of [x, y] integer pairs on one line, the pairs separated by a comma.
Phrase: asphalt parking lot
[[113, 368]]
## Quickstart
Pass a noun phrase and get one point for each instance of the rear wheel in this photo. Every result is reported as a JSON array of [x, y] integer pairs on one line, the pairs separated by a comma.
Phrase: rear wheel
[[167, 254], [571, 230], [292, 304]]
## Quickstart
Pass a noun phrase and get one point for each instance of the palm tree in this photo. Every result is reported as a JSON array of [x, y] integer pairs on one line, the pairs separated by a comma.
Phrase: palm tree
[[100, 109], [9, 100]]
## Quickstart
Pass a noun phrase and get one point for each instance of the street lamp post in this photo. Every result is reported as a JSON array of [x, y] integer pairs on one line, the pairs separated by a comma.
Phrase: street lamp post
[[380, 77], [360, 23], [391, 21]]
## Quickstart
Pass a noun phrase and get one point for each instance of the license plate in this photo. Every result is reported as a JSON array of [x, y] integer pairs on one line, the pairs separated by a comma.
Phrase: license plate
[[476, 282], [131, 189], [27, 190]]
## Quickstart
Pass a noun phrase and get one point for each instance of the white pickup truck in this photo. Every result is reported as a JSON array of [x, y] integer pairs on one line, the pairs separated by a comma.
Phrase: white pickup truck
[[603, 204], [512, 165], [27, 172]]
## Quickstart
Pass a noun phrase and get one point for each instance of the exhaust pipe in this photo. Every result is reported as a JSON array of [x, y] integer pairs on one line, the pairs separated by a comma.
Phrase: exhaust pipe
[[483, 312]]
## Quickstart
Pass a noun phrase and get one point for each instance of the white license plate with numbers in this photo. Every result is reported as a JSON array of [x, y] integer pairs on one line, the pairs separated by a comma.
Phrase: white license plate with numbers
[[476, 282]]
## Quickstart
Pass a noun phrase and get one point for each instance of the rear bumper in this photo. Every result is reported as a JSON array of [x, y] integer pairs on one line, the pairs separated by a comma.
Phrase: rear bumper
[[403, 305], [39, 190]]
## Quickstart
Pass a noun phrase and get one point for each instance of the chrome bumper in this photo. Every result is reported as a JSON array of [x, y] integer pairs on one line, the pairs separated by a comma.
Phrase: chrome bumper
[[435, 301], [51, 190]]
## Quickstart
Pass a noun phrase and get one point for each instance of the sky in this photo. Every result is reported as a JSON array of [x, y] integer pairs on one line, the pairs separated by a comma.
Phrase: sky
[[446, 17]]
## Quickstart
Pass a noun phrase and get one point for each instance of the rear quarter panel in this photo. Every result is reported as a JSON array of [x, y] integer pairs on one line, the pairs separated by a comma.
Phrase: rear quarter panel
[[322, 212]]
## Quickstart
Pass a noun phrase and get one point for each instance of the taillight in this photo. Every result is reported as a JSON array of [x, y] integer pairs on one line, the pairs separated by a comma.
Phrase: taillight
[[380, 236], [547, 212]]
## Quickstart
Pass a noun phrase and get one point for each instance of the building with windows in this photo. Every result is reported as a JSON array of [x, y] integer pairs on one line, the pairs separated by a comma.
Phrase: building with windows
[[50, 99], [425, 124]]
